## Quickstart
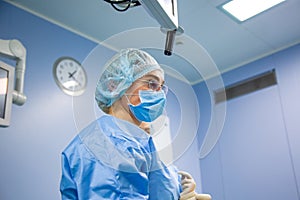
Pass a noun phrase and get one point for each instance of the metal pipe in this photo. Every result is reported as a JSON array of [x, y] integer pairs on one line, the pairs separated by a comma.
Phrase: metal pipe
[[18, 52]]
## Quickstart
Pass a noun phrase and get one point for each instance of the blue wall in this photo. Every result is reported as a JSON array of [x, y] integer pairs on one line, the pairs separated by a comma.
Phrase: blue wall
[[40, 129], [258, 153]]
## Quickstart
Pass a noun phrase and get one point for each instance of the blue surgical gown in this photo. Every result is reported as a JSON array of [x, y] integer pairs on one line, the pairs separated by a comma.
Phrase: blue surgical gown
[[114, 159]]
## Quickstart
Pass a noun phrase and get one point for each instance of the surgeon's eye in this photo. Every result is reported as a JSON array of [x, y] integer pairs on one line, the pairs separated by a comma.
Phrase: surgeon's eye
[[156, 86]]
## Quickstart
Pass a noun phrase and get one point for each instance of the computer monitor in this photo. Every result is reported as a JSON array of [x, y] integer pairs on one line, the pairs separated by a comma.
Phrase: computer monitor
[[6, 89]]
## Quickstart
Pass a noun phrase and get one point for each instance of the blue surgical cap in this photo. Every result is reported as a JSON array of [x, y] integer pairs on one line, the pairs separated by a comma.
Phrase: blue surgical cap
[[120, 72]]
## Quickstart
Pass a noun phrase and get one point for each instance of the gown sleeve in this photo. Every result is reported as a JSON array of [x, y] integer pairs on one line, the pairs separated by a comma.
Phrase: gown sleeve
[[67, 185], [164, 182]]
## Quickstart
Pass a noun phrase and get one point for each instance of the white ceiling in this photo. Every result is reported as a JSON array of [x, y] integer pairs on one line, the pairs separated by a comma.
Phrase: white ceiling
[[230, 44]]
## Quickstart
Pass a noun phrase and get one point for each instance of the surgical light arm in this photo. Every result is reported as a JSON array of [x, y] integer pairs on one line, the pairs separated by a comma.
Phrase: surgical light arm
[[15, 50]]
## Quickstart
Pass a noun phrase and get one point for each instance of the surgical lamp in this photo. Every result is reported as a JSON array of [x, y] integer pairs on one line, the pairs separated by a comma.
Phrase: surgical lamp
[[165, 13], [170, 39]]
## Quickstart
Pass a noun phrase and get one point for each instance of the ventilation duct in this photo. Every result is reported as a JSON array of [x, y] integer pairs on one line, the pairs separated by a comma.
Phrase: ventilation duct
[[246, 86]]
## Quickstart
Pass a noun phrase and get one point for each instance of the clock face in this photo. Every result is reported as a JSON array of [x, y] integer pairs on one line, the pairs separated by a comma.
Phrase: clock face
[[70, 76]]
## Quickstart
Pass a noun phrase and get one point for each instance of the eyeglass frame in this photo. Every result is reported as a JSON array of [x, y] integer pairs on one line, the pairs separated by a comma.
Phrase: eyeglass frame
[[158, 86]]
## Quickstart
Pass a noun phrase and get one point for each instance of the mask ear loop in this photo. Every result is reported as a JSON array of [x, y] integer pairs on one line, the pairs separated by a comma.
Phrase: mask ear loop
[[126, 96], [128, 103]]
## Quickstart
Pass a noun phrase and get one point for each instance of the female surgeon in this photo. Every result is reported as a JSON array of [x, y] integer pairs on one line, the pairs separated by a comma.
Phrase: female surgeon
[[113, 158]]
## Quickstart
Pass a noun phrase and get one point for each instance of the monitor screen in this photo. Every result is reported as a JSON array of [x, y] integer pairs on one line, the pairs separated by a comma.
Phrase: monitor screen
[[6, 89]]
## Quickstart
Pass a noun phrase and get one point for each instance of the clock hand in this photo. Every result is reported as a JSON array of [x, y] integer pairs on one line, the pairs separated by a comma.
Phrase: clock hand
[[72, 74], [75, 80]]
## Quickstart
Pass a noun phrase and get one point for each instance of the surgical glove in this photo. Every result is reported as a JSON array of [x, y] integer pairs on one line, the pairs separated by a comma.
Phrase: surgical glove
[[188, 186], [203, 197]]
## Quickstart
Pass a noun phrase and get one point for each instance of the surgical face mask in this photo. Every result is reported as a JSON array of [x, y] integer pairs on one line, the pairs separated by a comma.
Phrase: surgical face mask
[[151, 107]]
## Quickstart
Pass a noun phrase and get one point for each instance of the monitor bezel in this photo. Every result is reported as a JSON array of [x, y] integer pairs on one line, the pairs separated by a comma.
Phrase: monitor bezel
[[5, 122]]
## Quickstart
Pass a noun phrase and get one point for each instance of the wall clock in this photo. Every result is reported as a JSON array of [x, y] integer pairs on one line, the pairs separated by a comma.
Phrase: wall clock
[[70, 76]]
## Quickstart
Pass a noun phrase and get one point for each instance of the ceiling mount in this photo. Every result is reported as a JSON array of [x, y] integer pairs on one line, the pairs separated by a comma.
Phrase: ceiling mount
[[123, 5]]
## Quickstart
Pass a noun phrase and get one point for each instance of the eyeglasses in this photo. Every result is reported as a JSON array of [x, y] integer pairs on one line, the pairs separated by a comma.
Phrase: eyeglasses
[[155, 85]]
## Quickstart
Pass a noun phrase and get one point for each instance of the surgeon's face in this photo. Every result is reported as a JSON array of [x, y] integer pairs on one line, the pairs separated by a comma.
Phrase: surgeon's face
[[152, 81]]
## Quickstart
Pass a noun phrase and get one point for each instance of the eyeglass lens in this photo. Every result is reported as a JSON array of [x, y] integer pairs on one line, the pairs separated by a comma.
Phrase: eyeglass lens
[[154, 85]]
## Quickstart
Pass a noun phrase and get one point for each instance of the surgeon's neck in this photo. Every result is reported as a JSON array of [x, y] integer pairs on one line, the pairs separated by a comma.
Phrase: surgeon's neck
[[120, 110]]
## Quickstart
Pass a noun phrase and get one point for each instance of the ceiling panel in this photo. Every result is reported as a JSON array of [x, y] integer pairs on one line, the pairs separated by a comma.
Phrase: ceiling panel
[[230, 44]]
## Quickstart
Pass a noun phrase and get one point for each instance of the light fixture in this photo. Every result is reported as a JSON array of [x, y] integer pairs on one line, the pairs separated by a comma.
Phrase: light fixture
[[245, 9]]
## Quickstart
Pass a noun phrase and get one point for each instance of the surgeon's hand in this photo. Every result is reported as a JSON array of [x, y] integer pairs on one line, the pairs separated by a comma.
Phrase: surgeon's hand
[[203, 197], [188, 186]]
